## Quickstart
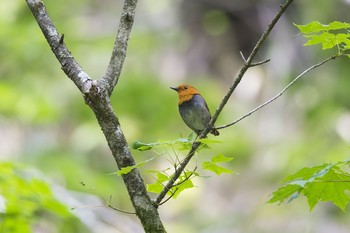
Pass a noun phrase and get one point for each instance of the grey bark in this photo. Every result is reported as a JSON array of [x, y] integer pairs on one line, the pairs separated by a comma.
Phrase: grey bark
[[96, 94]]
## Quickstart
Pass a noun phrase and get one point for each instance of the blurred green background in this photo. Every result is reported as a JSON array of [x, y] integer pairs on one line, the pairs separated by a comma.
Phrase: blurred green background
[[45, 125]]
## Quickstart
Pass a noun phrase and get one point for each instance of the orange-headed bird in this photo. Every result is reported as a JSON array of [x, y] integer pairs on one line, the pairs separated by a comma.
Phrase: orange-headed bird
[[193, 109]]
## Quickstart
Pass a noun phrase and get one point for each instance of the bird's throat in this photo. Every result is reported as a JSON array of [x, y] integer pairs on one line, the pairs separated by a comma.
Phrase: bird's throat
[[184, 98]]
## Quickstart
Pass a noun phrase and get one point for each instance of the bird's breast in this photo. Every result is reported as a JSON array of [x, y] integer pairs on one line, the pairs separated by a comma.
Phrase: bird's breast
[[195, 113]]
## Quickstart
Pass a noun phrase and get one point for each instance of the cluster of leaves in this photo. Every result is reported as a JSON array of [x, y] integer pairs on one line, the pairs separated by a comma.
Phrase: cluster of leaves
[[328, 182], [176, 146], [25, 200], [329, 36]]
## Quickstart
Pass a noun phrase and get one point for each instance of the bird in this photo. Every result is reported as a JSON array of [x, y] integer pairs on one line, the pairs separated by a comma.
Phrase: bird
[[193, 109]]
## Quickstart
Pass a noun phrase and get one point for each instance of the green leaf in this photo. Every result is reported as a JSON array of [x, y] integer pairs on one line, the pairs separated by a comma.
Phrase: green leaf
[[158, 186], [323, 183], [155, 187], [209, 141], [221, 158], [179, 188], [309, 28], [142, 146], [184, 182], [182, 143], [331, 187], [210, 166], [287, 191], [336, 25], [307, 173], [326, 39], [213, 167], [315, 27], [126, 170], [27, 199], [161, 177], [329, 36]]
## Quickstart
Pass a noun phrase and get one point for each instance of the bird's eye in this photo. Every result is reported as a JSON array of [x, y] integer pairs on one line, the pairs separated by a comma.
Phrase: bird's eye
[[185, 87]]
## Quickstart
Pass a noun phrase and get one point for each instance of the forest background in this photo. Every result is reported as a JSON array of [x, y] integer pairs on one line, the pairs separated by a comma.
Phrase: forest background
[[45, 125]]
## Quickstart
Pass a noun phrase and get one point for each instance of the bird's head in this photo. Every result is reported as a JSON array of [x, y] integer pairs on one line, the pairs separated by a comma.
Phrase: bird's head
[[186, 92]]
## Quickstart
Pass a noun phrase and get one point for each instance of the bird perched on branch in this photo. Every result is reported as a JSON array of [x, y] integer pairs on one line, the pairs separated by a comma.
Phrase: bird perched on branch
[[193, 109]]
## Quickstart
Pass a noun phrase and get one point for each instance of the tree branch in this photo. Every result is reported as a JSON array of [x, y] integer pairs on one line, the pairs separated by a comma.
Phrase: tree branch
[[96, 95], [241, 73], [280, 93], [68, 64], [120, 46], [248, 62]]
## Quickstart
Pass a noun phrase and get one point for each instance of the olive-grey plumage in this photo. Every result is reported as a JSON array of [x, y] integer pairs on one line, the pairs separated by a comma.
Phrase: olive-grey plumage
[[193, 109], [195, 114]]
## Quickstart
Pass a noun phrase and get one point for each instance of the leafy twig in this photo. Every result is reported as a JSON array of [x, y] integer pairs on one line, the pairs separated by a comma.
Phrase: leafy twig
[[178, 184], [177, 173], [204, 133]]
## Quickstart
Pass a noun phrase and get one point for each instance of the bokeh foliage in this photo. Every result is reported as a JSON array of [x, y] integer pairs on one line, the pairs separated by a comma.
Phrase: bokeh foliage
[[45, 124]]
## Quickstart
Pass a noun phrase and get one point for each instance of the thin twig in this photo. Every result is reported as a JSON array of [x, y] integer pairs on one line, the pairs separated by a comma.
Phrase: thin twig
[[205, 132], [279, 94], [168, 198], [102, 206], [119, 210], [259, 63], [252, 64], [242, 56]]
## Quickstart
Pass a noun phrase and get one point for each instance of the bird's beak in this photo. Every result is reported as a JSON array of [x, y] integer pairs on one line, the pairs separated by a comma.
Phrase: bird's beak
[[174, 88]]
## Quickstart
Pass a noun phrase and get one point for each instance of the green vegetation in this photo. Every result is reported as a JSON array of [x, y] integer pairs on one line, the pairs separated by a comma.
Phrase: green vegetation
[[49, 136]]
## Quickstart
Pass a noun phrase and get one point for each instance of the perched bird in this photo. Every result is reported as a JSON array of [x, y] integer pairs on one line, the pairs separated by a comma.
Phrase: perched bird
[[193, 109]]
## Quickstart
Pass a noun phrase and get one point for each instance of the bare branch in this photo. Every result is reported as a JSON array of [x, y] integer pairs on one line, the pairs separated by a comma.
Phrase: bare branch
[[120, 46], [241, 73], [69, 65], [259, 63], [205, 132], [279, 94]]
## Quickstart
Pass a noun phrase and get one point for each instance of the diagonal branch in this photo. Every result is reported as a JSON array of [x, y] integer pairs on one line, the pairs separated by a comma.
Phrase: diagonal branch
[[241, 73], [120, 46], [279, 94], [69, 65], [248, 62]]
